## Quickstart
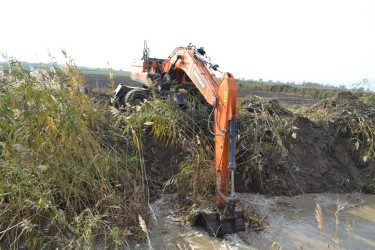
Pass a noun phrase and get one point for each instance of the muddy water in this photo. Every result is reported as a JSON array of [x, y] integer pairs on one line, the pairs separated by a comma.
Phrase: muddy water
[[348, 222]]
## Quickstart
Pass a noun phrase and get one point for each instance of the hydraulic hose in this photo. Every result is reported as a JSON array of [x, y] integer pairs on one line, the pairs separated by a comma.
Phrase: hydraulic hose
[[209, 118]]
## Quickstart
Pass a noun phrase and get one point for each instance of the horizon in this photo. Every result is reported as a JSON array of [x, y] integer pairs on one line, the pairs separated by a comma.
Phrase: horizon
[[361, 86]]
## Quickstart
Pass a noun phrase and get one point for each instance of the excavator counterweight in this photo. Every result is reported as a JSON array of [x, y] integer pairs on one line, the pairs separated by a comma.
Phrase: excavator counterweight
[[191, 69]]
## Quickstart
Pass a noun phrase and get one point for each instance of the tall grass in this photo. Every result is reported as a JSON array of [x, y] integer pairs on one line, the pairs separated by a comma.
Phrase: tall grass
[[261, 149], [184, 129], [67, 178], [362, 140]]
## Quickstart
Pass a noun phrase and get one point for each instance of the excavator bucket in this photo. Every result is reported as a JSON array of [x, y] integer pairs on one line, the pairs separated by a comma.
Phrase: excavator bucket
[[216, 225], [227, 219]]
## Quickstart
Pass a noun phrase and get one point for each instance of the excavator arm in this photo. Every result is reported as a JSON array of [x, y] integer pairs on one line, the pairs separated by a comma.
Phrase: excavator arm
[[222, 95]]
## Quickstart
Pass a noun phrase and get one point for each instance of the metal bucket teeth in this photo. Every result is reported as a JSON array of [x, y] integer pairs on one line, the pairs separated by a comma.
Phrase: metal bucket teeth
[[217, 228]]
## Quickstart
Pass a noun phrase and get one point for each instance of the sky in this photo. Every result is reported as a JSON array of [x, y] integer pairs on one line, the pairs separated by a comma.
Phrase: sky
[[329, 41]]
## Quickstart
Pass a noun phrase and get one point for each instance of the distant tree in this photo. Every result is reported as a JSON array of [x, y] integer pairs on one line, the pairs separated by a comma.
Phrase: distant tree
[[365, 83], [342, 87]]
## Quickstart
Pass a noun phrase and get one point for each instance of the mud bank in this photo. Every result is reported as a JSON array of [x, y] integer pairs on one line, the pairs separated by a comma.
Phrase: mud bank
[[325, 148]]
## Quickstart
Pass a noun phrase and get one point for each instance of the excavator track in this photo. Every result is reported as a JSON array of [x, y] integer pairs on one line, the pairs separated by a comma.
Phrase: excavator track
[[136, 97]]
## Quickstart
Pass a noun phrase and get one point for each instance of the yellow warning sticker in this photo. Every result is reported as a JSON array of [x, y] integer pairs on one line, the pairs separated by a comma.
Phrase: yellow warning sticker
[[225, 96]]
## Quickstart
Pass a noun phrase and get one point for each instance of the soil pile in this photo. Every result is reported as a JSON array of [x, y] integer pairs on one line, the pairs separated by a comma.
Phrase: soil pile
[[314, 155], [321, 160], [253, 103], [343, 103]]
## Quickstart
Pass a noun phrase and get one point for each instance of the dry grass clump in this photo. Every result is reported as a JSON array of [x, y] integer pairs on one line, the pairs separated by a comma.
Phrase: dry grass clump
[[66, 176], [319, 217], [264, 128], [353, 120], [256, 222], [333, 239]]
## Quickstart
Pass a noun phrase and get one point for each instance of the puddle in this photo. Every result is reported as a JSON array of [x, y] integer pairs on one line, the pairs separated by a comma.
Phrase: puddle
[[348, 220]]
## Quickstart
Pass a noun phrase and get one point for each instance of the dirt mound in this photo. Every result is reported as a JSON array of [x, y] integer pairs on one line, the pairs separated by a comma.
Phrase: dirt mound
[[253, 103], [322, 161], [342, 103], [287, 154]]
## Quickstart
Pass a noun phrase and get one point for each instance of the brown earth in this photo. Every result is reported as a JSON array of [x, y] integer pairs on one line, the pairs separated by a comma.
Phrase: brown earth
[[327, 154], [320, 155]]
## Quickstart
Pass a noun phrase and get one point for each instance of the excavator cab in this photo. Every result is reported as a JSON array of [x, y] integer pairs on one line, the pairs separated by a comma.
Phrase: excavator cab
[[191, 68], [147, 70], [201, 51]]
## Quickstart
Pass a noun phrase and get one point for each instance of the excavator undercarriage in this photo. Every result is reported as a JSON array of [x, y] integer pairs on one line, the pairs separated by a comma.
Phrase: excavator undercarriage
[[191, 69]]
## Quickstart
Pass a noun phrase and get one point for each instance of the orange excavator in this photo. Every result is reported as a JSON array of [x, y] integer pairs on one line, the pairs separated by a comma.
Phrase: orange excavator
[[193, 70]]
